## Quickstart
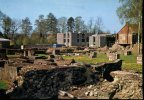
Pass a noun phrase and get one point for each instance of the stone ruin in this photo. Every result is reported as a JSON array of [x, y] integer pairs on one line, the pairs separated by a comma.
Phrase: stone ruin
[[113, 56], [139, 59], [43, 81], [127, 52], [93, 55], [125, 85]]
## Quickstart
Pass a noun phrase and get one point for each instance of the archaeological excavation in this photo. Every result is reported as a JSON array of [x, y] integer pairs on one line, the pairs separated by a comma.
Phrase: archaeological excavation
[[52, 76], [71, 49]]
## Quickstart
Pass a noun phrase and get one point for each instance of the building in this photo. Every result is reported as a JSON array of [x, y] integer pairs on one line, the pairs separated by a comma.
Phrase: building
[[73, 39], [128, 35], [101, 40], [4, 43]]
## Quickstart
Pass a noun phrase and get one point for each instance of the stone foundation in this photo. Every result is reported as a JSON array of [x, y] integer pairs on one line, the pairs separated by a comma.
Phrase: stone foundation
[[113, 56], [127, 53], [139, 59]]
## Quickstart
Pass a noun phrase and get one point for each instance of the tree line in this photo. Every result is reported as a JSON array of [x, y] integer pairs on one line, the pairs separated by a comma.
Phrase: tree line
[[46, 27]]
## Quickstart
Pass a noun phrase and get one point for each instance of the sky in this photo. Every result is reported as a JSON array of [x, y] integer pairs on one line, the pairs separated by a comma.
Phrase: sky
[[106, 9]]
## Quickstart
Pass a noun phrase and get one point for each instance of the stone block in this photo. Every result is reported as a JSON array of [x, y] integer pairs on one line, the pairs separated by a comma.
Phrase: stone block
[[127, 53], [93, 55], [113, 56], [139, 59], [56, 52]]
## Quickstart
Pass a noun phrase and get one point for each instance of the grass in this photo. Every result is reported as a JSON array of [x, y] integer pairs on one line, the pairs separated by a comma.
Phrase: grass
[[41, 54], [85, 59], [13, 56], [3, 85], [128, 62]]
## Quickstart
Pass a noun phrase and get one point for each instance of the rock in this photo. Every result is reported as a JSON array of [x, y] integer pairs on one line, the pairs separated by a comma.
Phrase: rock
[[89, 87], [91, 93], [93, 55], [62, 93], [87, 93], [95, 94]]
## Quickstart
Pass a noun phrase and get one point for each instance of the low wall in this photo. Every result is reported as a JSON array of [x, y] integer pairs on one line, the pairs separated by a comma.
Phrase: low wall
[[105, 68]]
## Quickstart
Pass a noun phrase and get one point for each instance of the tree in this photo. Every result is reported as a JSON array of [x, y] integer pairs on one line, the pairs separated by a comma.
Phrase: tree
[[62, 24], [70, 24], [26, 26], [15, 26], [131, 11], [98, 25], [6, 26], [2, 15], [90, 24], [51, 39], [51, 22], [79, 24], [34, 38], [41, 26]]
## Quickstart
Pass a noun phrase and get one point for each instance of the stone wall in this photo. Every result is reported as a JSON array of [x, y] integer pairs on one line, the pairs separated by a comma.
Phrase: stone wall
[[45, 84]]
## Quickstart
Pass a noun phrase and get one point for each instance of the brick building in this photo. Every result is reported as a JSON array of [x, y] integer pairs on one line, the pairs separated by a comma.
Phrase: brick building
[[73, 39], [128, 34]]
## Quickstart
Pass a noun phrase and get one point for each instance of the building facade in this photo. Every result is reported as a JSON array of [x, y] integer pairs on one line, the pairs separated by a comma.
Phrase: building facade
[[73, 39], [101, 40], [128, 35]]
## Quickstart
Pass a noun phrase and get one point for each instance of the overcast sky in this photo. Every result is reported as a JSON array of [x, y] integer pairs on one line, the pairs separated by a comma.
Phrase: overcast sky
[[106, 9]]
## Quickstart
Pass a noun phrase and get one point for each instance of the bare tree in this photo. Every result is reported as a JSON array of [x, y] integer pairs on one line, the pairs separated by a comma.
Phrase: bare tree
[[97, 29], [62, 24], [90, 24], [15, 26]]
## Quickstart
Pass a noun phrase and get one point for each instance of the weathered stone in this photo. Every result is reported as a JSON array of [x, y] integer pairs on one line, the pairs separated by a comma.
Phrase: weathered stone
[[113, 56], [87, 93], [139, 59], [93, 55], [56, 52], [89, 87], [91, 93], [126, 52]]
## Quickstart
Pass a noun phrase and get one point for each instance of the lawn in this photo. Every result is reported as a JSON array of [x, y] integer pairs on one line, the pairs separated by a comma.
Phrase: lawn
[[3, 85], [85, 59], [128, 62]]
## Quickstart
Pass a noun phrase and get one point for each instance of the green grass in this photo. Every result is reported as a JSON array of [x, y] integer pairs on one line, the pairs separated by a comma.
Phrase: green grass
[[41, 55], [3, 85], [13, 56], [128, 62], [86, 59]]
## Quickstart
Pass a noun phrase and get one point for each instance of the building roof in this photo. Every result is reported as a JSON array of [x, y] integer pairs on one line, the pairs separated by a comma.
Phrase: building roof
[[132, 28], [2, 39]]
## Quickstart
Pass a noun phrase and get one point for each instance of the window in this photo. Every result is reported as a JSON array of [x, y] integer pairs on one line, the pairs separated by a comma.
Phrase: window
[[87, 39], [68, 35], [64, 40], [64, 35], [77, 40], [83, 35], [93, 39], [68, 40], [83, 40], [77, 35]]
